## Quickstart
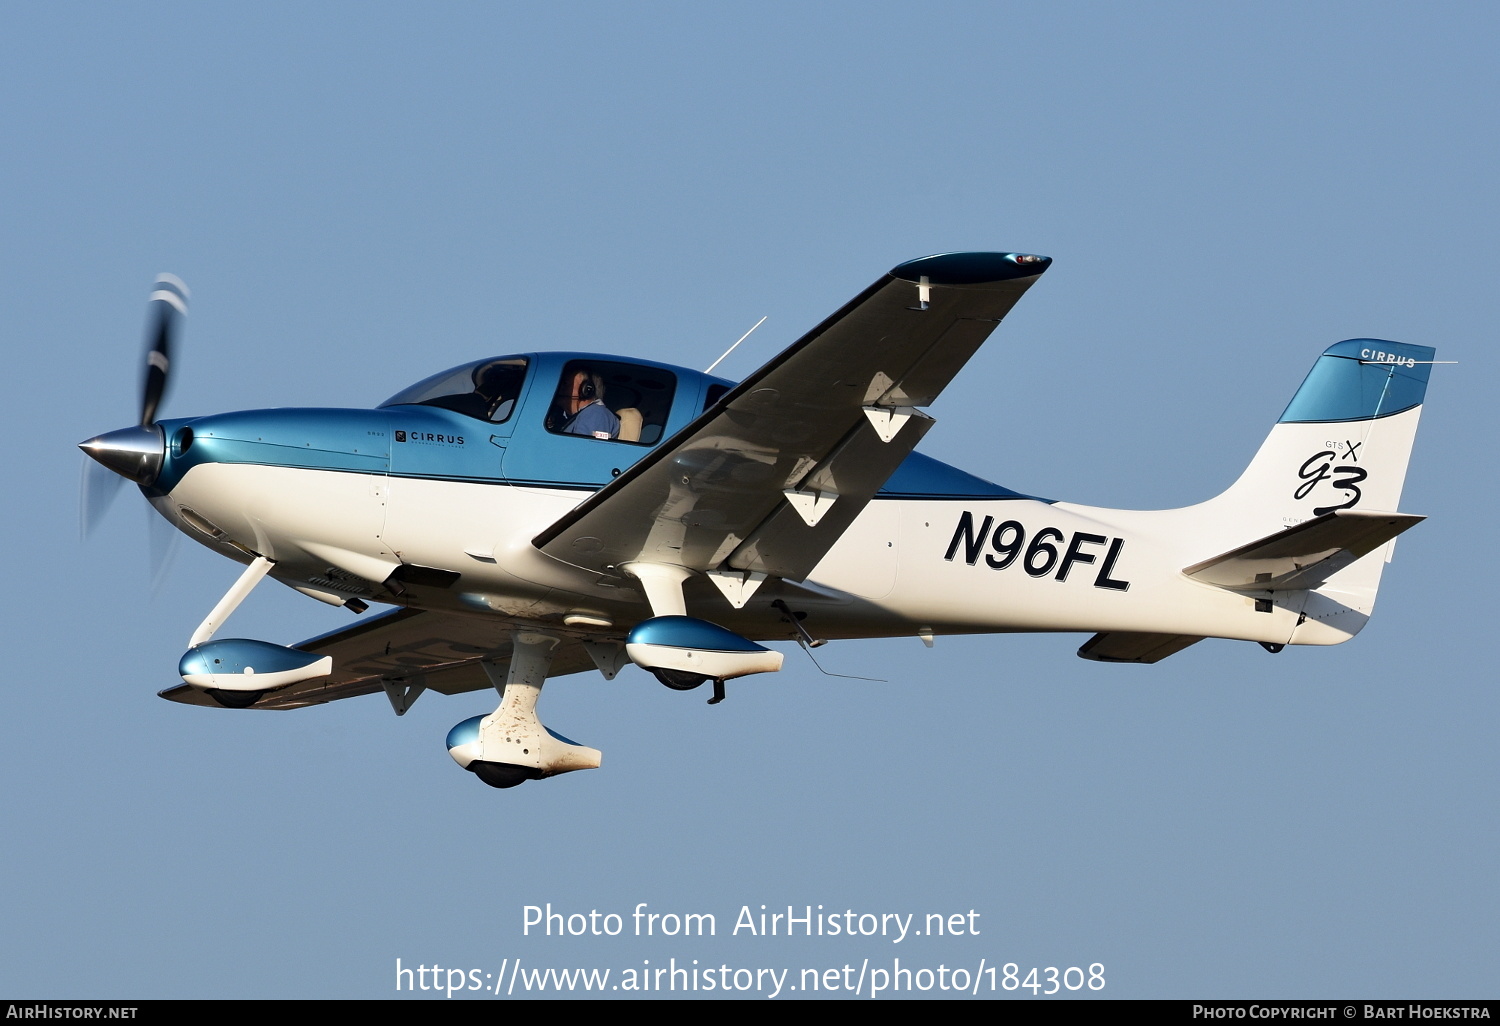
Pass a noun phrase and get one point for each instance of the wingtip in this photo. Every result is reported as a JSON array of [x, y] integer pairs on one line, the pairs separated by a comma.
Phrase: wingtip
[[971, 268]]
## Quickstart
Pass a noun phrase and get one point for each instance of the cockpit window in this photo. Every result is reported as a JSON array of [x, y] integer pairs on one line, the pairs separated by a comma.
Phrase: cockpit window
[[618, 402], [487, 389], [715, 393]]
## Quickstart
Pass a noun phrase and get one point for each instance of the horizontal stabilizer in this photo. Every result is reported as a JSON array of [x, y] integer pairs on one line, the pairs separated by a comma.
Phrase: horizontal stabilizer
[[1134, 647], [1303, 556]]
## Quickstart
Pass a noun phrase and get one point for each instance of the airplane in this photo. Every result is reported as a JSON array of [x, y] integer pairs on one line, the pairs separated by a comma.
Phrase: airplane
[[535, 515]]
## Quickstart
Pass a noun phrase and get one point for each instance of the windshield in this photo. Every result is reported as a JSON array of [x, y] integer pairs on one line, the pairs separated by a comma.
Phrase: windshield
[[486, 389]]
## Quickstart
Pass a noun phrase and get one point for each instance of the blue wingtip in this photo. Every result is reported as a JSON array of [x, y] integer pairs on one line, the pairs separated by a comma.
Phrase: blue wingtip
[[971, 268]]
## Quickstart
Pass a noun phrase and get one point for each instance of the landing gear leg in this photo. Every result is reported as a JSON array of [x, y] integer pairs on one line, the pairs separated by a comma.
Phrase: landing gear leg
[[510, 732], [513, 746], [231, 600], [236, 672]]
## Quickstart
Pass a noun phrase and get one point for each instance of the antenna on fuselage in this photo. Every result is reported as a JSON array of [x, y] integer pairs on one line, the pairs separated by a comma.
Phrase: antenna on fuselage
[[808, 643], [731, 349]]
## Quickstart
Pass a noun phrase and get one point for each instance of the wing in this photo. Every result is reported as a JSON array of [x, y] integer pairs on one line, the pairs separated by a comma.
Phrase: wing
[[402, 649], [767, 479]]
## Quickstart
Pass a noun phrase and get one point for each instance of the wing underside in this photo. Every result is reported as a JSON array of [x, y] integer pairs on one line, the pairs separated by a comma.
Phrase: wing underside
[[403, 652]]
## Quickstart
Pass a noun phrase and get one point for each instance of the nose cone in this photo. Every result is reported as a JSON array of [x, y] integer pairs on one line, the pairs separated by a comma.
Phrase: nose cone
[[135, 453]]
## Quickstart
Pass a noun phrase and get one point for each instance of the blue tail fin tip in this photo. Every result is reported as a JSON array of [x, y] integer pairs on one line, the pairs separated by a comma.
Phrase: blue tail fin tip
[[1362, 379]]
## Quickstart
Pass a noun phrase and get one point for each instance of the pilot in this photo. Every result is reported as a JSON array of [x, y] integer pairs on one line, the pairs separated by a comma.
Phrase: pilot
[[586, 413]]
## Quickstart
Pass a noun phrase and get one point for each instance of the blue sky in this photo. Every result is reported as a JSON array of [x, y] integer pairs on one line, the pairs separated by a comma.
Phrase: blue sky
[[360, 196]]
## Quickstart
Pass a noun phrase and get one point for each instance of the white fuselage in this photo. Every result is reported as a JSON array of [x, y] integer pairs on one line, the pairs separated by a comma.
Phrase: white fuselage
[[904, 567]]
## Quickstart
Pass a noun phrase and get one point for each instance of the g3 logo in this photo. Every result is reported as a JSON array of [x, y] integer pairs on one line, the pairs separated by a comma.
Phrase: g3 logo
[[1320, 467]]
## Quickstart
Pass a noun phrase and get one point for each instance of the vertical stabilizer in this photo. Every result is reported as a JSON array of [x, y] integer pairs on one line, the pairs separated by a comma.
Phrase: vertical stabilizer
[[1342, 444]]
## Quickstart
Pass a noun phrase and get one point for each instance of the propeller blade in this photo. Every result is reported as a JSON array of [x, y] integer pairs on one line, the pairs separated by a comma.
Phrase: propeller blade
[[97, 489], [161, 540], [168, 305]]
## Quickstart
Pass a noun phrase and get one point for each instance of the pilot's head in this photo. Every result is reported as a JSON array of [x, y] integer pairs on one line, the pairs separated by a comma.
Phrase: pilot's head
[[585, 387]]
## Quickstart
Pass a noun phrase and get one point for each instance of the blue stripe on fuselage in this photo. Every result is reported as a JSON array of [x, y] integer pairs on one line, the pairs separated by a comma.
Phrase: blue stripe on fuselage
[[432, 443]]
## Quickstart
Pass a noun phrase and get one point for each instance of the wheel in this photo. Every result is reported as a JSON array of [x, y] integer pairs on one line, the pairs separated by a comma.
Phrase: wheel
[[679, 680], [234, 699], [503, 774]]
